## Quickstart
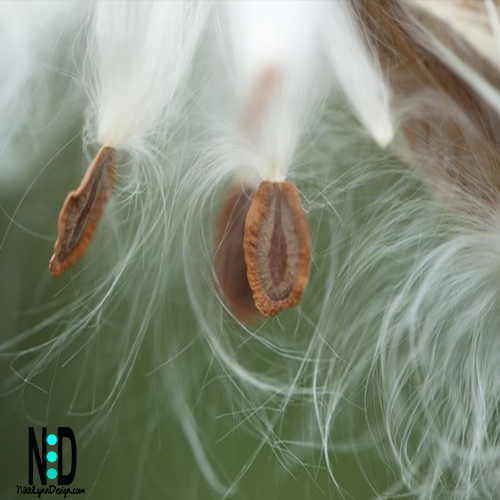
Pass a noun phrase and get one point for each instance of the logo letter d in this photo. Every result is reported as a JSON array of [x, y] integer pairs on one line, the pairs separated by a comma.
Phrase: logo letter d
[[66, 432]]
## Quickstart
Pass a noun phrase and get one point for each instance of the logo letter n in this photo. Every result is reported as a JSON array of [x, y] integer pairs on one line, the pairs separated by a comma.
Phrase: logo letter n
[[40, 460]]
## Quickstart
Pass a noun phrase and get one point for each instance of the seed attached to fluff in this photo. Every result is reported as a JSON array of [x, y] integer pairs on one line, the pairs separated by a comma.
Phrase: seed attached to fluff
[[277, 247], [229, 259], [82, 211]]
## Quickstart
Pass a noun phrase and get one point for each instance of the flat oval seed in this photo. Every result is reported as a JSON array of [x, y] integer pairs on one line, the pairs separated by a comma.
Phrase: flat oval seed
[[82, 211], [229, 259], [277, 247]]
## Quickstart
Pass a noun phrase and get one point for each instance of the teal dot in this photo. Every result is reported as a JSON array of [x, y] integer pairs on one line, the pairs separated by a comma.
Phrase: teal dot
[[51, 473], [52, 440], [51, 456]]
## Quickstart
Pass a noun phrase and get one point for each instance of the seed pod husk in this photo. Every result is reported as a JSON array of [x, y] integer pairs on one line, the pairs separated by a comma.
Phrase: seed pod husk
[[229, 259], [82, 211], [277, 247]]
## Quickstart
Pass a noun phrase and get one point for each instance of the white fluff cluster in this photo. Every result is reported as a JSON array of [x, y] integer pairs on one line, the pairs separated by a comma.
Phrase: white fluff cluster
[[143, 51], [358, 72], [276, 56], [37, 53], [393, 356]]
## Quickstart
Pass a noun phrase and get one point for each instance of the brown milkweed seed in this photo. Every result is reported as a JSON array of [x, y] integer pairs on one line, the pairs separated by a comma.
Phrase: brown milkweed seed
[[82, 211], [229, 259], [277, 247]]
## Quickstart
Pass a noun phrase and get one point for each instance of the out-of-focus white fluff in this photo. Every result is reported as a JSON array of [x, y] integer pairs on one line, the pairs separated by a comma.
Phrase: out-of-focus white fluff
[[478, 23], [276, 57], [473, 27], [143, 51], [28, 37], [356, 69], [31, 62], [438, 350]]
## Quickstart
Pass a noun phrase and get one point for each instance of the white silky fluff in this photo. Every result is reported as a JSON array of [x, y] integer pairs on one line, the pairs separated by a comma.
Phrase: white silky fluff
[[438, 352], [143, 50], [276, 57], [31, 36], [357, 71], [475, 25], [438, 348]]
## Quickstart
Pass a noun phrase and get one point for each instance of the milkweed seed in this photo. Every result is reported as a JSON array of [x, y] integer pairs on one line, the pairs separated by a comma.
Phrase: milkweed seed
[[277, 247], [82, 211], [229, 259]]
